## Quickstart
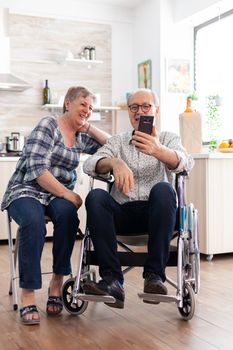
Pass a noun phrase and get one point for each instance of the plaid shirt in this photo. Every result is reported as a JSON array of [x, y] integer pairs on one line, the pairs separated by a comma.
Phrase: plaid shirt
[[147, 170], [45, 150]]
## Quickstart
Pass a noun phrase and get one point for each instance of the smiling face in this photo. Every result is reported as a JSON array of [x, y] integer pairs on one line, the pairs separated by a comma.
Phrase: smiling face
[[144, 102], [79, 110]]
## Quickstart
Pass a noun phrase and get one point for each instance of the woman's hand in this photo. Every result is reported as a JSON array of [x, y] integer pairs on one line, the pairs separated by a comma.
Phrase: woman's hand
[[85, 127], [73, 197], [123, 175]]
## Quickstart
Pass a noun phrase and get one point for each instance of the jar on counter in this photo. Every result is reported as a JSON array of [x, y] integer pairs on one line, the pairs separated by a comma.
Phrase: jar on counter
[[92, 53], [86, 51]]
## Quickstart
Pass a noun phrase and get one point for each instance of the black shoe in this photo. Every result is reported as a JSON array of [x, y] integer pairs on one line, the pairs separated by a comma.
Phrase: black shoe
[[153, 284], [107, 286]]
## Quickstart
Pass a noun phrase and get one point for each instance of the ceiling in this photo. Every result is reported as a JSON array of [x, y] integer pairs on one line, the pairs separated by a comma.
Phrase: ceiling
[[123, 3]]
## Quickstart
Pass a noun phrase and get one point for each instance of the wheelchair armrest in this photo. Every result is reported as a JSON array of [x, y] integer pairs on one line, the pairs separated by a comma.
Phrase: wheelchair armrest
[[108, 180], [182, 173], [180, 188]]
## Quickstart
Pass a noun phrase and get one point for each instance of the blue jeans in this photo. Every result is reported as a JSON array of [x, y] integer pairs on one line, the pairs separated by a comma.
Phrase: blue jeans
[[106, 218], [29, 214]]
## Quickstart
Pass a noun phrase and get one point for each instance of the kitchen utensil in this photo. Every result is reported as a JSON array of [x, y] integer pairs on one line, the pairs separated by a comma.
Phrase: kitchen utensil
[[15, 142]]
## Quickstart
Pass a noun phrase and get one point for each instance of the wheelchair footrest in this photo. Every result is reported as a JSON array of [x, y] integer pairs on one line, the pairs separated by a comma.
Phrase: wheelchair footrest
[[158, 297], [98, 298]]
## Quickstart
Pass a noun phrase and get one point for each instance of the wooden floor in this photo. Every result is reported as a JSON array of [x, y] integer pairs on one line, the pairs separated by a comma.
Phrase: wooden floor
[[138, 326]]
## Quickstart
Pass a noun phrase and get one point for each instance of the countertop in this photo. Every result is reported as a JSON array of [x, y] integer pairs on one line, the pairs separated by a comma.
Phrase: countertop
[[9, 159], [212, 155], [208, 155]]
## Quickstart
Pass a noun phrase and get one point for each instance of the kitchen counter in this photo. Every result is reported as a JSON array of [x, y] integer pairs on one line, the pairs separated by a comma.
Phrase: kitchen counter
[[212, 155], [210, 189], [9, 159]]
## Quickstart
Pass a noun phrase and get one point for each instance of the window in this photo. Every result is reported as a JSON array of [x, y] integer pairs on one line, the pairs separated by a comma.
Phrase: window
[[213, 71]]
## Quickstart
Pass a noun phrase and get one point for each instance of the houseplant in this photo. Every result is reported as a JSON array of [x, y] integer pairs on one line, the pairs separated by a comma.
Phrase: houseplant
[[212, 120]]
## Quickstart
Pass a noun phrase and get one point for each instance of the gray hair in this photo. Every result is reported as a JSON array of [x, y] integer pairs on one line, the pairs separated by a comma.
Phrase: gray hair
[[76, 92], [155, 97]]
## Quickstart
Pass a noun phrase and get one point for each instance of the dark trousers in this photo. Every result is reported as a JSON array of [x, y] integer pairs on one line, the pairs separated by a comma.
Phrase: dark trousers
[[106, 218], [29, 214]]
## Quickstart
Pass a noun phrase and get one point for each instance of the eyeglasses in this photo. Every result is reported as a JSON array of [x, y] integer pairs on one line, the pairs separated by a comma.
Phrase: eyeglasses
[[145, 107]]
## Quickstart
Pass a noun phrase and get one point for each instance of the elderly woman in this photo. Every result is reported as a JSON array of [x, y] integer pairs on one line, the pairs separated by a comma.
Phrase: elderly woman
[[43, 184]]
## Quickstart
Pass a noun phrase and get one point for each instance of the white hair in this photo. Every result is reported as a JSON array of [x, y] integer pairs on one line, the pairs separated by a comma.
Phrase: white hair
[[155, 97]]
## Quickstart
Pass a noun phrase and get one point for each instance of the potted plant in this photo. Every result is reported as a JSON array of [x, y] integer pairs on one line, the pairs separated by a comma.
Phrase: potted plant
[[212, 120]]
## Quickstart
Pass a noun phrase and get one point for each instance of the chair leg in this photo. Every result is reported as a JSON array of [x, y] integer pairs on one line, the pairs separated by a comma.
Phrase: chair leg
[[13, 250]]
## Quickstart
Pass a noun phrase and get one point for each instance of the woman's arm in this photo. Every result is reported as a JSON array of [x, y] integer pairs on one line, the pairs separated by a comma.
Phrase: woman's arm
[[52, 185], [96, 133]]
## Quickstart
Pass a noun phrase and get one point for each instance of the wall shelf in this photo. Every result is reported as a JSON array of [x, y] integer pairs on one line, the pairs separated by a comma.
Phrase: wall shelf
[[96, 115], [52, 107], [27, 60], [62, 61], [79, 60]]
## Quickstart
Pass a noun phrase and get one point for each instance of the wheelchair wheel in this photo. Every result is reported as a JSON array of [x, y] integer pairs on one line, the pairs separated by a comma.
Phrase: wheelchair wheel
[[188, 308], [67, 297]]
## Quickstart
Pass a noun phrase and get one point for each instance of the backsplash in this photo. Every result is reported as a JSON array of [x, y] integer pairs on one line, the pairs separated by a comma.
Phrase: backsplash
[[38, 50]]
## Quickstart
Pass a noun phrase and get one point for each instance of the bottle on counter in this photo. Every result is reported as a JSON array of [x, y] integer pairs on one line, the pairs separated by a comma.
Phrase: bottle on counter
[[188, 105], [46, 93]]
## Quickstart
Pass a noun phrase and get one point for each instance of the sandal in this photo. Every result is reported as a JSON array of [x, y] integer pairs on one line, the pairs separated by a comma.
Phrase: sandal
[[56, 304], [27, 310]]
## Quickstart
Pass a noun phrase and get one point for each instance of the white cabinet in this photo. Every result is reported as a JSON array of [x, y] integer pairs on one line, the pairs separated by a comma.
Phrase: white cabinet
[[210, 189], [7, 167]]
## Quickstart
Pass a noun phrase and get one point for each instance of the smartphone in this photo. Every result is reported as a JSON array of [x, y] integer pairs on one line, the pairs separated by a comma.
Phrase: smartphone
[[146, 124]]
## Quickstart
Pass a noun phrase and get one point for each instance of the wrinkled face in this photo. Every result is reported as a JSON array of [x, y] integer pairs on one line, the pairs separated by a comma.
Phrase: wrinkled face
[[140, 103], [80, 110]]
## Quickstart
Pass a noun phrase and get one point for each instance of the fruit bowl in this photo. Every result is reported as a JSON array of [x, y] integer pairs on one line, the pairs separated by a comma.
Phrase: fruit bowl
[[226, 150]]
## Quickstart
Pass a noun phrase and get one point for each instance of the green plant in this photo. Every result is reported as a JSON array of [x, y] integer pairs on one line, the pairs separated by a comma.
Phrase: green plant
[[212, 119], [193, 96]]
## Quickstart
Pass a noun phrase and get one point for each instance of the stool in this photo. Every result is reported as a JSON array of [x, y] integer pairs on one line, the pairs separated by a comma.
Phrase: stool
[[13, 254]]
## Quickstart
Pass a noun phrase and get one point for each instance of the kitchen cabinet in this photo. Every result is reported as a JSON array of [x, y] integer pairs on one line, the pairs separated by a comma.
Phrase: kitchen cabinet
[[7, 167], [210, 189]]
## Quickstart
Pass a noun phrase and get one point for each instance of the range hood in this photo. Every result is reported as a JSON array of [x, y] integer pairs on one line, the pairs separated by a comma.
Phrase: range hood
[[8, 82]]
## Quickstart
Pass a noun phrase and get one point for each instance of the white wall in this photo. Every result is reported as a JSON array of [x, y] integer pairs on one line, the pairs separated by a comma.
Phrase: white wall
[[120, 19], [183, 8], [157, 37], [146, 41], [158, 29]]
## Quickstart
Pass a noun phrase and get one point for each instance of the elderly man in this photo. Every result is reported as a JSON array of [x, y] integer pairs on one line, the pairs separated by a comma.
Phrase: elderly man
[[142, 198]]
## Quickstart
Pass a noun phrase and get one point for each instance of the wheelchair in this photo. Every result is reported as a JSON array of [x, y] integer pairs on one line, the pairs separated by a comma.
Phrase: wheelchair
[[184, 255]]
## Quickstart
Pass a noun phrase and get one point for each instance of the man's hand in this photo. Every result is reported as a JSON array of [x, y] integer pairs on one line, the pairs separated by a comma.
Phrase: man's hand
[[148, 144], [123, 175]]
